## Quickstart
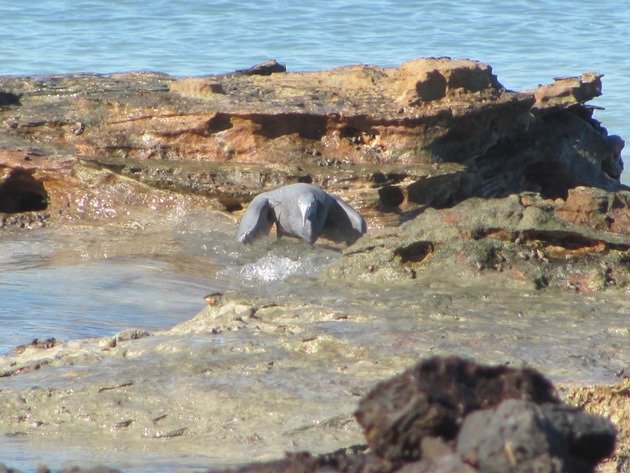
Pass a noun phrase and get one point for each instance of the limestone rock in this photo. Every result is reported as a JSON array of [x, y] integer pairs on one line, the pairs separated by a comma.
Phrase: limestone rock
[[433, 132], [569, 90], [581, 243]]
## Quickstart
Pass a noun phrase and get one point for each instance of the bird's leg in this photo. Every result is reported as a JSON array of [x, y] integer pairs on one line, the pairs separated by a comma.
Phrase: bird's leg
[[279, 231]]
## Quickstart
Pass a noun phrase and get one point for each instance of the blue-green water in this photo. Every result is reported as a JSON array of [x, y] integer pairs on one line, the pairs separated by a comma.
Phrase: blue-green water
[[526, 41], [84, 282]]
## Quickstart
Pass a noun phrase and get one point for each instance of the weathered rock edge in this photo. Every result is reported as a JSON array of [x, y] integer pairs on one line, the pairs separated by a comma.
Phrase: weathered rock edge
[[452, 415], [431, 132]]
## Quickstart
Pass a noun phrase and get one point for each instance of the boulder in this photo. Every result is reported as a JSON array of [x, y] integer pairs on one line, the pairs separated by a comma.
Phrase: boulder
[[448, 415], [433, 398], [521, 436]]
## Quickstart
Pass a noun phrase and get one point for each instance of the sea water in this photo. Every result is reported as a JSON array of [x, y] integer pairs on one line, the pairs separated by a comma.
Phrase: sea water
[[527, 42]]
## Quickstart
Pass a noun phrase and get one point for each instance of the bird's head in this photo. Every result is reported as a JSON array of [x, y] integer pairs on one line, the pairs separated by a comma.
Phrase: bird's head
[[307, 206]]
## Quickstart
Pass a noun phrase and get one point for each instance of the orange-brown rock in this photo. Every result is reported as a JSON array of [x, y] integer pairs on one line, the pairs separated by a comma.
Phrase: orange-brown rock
[[569, 90], [35, 188], [392, 141], [447, 126], [607, 211]]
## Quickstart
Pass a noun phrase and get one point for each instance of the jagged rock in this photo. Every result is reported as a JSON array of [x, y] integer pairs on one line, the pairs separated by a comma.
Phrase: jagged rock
[[433, 398], [446, 415], [432, 132], [581, 243], [569, 91], [36, 188], [263, 69]]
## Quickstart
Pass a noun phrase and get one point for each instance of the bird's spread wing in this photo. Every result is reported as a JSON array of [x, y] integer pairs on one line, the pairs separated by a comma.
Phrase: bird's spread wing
[[257, 220], [343, 224]]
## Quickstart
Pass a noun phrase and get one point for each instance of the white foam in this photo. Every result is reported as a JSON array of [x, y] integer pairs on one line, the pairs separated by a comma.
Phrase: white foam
[[273, 268]]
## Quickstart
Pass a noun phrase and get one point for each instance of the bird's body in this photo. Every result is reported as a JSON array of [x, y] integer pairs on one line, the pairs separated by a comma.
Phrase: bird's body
[[302, 211]]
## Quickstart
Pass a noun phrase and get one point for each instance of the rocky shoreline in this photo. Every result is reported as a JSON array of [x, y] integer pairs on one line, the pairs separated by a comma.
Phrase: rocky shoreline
[[433, 134], [452, 415], [457, 177]]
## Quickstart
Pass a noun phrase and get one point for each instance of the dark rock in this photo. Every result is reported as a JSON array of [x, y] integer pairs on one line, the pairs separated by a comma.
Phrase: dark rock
[[8, 98], [589, 438], [263, 69], [433, 398], [21, 192], [520, 436]]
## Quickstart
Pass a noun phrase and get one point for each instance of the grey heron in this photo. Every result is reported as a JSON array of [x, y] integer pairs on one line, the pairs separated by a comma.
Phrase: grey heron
[[302, 211]]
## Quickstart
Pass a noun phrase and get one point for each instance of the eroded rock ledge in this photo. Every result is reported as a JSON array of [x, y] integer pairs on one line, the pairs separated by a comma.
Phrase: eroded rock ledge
[[430, 134], [433, 131]]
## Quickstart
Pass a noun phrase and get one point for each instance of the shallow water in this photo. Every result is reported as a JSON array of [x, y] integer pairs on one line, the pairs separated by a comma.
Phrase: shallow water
[[28, 454], [86, 281], [77, 282], [527, 42], [90, 281]]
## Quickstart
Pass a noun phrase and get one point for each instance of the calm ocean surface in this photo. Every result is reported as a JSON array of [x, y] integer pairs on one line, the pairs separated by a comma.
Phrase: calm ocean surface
[[526, 41]]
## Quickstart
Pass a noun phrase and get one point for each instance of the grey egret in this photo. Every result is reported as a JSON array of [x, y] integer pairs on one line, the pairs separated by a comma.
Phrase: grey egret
[[303, 211]]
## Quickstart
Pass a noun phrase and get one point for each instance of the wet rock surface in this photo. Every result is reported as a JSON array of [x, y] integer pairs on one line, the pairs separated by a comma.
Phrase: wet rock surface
[[581, 243], [449, 417], [452, 415]]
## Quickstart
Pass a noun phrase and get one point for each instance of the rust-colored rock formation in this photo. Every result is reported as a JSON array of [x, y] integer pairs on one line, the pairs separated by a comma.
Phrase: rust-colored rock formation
[[394, 142], [446, 126]]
